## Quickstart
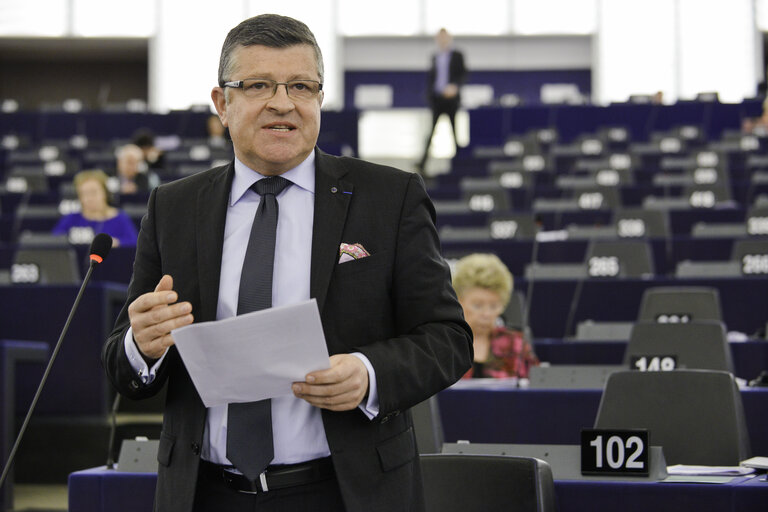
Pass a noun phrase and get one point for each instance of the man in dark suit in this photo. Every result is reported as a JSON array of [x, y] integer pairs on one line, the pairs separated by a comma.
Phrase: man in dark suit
[[444, 80], [358, 237]]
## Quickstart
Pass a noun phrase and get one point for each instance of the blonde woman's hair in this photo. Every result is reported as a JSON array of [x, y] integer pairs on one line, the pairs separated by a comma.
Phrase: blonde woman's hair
[[94, 174], [91, 174], [483, 271]]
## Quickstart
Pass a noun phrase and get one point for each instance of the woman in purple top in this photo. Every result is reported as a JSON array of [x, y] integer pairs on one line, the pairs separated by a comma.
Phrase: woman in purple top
[[96, 214]]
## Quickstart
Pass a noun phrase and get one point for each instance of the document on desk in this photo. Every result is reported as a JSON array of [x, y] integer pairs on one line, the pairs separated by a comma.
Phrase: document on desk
[[688, 470], [253, 356], [683, 473]]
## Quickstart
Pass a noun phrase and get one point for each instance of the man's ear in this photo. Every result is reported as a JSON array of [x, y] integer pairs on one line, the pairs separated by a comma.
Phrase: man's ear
[[220, 103]]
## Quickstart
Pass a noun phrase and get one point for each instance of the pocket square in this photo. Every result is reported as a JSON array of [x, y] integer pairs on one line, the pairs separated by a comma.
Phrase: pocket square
[[350, 252]]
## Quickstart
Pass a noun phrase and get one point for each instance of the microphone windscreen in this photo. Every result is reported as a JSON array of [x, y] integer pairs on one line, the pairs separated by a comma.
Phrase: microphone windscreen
[[100, 247]]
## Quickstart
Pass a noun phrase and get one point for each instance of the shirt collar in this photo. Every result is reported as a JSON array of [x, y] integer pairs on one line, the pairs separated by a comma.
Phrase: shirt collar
[[303, 176]]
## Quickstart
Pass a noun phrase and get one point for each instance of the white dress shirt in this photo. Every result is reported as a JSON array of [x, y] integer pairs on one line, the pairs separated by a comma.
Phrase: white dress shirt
[[442, 70], [297, 426]]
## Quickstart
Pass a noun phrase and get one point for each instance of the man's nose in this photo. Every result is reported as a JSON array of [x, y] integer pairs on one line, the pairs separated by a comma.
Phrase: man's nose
[[280, 100]]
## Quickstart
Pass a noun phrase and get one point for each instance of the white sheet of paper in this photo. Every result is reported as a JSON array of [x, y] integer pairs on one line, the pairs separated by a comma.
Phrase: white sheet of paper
[[253, 356], [687, 469]]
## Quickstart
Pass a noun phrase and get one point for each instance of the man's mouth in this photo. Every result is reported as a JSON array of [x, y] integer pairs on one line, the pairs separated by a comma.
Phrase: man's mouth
[[281, 127]]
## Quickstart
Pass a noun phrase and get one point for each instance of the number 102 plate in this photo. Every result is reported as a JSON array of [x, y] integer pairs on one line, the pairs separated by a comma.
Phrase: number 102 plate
[[614, 452]]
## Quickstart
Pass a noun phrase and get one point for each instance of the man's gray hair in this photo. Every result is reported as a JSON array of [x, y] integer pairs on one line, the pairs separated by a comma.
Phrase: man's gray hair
[[271, 30]]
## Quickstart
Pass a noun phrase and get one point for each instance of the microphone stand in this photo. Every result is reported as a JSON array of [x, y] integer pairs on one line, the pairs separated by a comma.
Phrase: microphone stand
[[529, 288], [112, 429], [45, 374]]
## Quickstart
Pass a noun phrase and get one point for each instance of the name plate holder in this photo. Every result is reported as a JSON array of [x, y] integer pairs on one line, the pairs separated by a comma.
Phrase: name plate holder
[[138, 456], [614, 452], [565, 460]]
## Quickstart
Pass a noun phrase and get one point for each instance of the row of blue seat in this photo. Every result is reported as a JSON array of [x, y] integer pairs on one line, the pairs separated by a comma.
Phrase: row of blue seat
[[492, 126]]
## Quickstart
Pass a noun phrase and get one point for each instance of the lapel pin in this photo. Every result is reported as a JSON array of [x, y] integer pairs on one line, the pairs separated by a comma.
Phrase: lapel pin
[[334, 190]]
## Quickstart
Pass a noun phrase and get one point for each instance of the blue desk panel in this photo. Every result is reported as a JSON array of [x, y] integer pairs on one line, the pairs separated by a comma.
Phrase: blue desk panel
[[744, 302], [12, 353], [117, 268], [410, 87], [492, 125], [749, 357], [101, 490], [553, 416], [338, 127], [741, 495], [681, 221], [77, 383], [665, 254]]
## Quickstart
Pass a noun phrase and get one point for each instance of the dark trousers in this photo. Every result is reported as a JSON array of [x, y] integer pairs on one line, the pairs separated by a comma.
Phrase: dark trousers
[[440, 105], [213, 495]]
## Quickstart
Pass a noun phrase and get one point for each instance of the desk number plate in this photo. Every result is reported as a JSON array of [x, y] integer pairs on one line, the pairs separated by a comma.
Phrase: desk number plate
[[653, 363], [614, 452]]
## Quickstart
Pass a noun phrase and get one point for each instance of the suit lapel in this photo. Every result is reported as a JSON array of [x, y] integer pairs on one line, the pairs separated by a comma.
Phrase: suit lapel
[[332, 197], [212, 202]]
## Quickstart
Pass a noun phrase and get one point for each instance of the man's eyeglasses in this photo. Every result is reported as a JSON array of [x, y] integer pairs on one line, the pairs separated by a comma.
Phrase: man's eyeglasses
[[264, 89]]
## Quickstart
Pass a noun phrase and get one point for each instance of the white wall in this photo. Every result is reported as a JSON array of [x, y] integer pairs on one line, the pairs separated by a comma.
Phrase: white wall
[[716, 47], [20, 18], [486, 53], [111, 18], [184, 55], [680, 47], [634, 51]]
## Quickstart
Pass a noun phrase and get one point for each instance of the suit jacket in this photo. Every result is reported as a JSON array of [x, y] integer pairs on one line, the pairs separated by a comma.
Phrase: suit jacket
[[396, 306], [457, 74]]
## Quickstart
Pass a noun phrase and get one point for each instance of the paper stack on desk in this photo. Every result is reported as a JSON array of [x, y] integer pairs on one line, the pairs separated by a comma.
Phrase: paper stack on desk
[[682, 473], [682, 469]]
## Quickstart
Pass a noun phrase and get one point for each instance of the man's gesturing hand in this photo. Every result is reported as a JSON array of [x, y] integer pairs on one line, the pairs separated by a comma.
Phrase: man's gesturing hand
[[154, 315], [340, 388]]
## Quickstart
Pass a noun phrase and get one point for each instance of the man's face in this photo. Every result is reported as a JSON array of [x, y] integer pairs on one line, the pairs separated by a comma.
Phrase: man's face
[[443, 39], [128, 164], [274, 135]]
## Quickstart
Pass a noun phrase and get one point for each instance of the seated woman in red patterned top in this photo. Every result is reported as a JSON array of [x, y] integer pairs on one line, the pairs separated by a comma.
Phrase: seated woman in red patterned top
[[484, 284]]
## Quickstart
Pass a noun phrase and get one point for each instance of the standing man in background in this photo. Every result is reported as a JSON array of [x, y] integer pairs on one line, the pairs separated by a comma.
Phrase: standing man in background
[[445, 78], [359, 238]]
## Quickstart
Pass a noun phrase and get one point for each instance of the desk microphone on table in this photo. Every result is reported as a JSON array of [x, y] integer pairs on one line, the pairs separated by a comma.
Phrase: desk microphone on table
[[100, 247]]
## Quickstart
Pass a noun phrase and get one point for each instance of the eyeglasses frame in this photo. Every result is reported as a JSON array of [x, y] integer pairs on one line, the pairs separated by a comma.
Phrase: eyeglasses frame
[[239, 84]]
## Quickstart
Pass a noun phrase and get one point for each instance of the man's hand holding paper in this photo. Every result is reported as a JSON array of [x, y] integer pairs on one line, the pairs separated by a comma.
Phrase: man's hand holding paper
[[340, 388]]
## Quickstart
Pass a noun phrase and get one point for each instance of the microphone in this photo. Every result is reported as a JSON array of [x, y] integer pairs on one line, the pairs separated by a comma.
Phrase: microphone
[[99, 249]]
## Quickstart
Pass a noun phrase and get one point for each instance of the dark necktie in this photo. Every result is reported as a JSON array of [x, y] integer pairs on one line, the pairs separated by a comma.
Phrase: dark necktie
[[249, 425]]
